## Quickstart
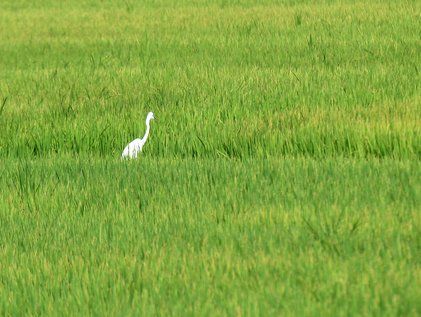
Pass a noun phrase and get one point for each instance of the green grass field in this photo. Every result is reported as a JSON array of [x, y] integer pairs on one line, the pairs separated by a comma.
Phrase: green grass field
[[282, 176]]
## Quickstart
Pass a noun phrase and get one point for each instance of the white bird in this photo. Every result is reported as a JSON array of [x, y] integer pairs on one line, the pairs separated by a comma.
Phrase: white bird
[[133, 148]]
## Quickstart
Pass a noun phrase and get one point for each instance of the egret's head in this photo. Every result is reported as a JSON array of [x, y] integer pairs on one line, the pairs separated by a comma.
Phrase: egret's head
[[150, 116]]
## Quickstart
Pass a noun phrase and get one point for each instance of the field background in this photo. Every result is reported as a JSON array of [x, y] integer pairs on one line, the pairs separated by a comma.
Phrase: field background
[[282, 175]]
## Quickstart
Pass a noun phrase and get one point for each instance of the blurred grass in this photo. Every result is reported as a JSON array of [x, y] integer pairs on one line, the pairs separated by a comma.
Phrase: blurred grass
[[173, 237], [282, 175]]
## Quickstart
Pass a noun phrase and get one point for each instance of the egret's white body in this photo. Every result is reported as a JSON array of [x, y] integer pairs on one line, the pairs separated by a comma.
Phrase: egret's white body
[[133, 148]]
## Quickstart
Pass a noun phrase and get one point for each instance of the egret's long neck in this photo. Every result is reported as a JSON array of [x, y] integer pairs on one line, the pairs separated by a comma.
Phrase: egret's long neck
[[147, 130]]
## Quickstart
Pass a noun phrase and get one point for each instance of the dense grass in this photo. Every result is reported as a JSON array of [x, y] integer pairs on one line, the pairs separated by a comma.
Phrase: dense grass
[[282, 176], [247, 81], [200, 237]]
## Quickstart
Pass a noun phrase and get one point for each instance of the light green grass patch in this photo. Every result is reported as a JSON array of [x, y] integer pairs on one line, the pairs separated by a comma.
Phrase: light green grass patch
[[281, 177]]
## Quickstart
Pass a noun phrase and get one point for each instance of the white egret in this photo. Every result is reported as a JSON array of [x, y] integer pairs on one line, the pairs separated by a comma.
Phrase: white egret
[[133, 148]]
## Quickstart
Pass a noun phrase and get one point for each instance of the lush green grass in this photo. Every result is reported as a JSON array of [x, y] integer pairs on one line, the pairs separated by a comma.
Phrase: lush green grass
[[199, 237], [282, 176]]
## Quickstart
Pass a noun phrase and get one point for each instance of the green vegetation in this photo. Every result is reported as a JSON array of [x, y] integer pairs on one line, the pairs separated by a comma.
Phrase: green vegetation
[[282, 175]]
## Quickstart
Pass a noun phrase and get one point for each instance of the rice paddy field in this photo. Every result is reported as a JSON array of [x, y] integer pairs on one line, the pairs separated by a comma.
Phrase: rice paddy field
[[282, 176]]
